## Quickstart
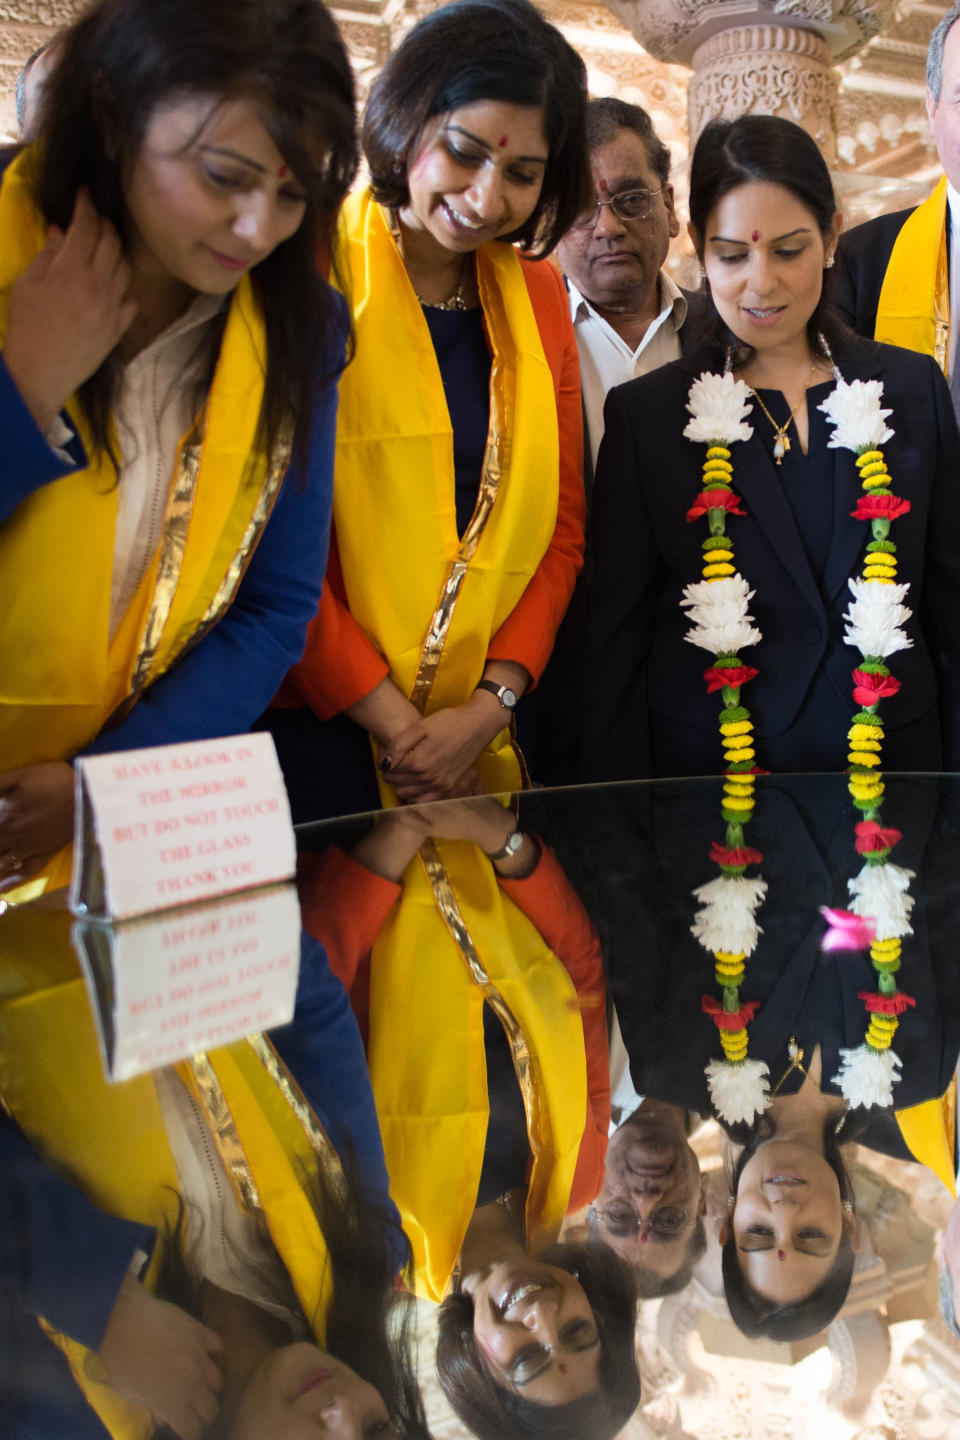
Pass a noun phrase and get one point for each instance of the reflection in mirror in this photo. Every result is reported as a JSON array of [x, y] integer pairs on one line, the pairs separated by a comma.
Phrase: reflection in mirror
[[478, 981], [791, 1239], [205, 1250]]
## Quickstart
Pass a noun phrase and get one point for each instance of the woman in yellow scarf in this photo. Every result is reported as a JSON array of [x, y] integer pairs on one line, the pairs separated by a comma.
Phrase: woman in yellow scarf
[[166, 346], [210, 1246], [458, 504]]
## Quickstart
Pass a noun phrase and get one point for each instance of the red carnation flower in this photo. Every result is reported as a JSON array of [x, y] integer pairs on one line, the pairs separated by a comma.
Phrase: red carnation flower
[[869, 688], [742, 855], [872, 837], [729, 1019], [878, 1004], [880, 507], [715, 500], [734, 676]]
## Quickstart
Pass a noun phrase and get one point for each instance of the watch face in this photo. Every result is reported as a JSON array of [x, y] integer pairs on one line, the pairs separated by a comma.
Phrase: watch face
[[514, 842], [508, 698]]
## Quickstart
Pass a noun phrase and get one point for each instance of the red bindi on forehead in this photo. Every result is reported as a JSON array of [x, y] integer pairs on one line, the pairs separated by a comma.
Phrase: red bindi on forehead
[[755, 236], [284, 171], [503, 142], [604, 186]]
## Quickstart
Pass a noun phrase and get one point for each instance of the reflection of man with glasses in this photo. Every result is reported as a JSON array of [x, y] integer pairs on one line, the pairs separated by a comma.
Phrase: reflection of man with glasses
[[650, 1209], [627, 312]]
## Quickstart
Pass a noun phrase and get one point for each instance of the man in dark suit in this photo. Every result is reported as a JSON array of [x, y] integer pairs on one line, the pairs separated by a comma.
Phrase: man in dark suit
[[629, 318], [865, 253]]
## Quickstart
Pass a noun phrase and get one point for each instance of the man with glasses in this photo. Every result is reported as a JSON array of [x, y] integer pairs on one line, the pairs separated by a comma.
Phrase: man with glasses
[[629, 317], [650, 1210], [627, 313]]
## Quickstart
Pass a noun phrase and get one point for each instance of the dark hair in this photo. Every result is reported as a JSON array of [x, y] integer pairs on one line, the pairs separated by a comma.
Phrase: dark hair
[[730, 153], [608, 115], [755, 1315], [476, 50], [120, 61], [369, 1324], [651, 1286], [493, 1412]]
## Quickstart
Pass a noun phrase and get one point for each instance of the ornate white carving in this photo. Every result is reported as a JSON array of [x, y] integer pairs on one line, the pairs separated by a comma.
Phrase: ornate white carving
[[766, 70], [672, 29]]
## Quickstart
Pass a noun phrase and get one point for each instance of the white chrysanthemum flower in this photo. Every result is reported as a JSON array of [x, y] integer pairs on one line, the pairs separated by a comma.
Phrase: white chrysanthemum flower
[[875, 618], [855, 411], [867, 1076], [719, 609], [881, 893], [738, 1092], [718, 404], [726, 919]]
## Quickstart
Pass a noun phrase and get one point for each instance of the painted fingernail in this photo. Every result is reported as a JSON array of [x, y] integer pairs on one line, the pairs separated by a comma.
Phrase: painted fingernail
[[385, 764]]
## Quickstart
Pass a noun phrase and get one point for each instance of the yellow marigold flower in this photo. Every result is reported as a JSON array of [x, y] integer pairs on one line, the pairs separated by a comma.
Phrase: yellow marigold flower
[[735, 742], [737, 792], [865, 732], [736, 727], [718, 556], [875, 482], [719, 452], [868, 744], [875, 467], [868, 457], [717, 572], [863, 757], [739, 807], [891, 946], [878, 1041]]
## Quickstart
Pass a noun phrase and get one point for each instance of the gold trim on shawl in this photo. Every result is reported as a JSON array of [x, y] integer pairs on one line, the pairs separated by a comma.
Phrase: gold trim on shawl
[[452, 915], [224, 1130], [279, 461], [175, 527], [941, 311], [490, 477], [319, 1140]]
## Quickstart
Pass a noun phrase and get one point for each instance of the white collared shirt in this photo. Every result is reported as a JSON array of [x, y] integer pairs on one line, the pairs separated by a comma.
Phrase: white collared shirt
[[953, 210], [607, 360]]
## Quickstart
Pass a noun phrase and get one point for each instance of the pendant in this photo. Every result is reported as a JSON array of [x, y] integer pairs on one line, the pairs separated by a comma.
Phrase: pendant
[[781, 446]]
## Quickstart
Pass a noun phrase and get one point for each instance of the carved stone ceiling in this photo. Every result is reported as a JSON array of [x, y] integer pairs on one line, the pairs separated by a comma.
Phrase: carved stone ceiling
[[880, 118]]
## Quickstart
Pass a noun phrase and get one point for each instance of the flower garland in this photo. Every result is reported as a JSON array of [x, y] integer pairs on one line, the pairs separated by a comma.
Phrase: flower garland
[[718, 607], [875, 620], [725, 923]]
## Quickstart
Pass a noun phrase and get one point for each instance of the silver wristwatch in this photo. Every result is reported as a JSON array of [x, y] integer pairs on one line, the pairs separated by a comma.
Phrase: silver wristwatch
[[506, 696], [510, 846]]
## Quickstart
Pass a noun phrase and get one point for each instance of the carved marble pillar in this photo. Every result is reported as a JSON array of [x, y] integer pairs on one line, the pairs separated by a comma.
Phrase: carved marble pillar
[[766, 70], [768, 57]]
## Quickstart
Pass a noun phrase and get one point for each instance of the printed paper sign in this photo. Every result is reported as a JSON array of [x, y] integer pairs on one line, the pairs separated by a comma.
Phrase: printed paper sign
[[167, 987], [175, 824]]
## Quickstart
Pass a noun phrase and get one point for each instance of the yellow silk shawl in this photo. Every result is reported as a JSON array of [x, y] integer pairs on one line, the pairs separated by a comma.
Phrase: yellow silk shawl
[[431, 601], [914, 306], [61, 677], [110, 1139]]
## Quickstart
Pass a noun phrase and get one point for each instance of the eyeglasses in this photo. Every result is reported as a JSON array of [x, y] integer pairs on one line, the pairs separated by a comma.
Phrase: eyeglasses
[[669, 1220], [628, 205]]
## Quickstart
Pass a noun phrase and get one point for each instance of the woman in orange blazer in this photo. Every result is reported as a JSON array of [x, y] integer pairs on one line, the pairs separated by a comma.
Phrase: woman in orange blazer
[[458, 509]]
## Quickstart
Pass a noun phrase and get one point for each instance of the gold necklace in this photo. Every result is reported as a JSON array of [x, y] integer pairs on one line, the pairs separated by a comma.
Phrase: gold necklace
[[796, 1055], [455, 300], [781, 443]]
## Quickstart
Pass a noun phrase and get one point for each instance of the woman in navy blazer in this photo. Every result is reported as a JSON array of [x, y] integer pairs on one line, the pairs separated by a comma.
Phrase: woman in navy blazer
[[765, 226]]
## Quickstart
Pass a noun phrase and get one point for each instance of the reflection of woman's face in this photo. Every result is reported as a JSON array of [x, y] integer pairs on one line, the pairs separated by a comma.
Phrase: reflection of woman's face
[[476, 173], [763, 254], [788, 1220], [536, 1331], [301, 1393]]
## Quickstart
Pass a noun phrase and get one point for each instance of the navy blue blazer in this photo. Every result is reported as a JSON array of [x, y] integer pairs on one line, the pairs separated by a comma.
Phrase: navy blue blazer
[[863, 255], [640, 668]]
